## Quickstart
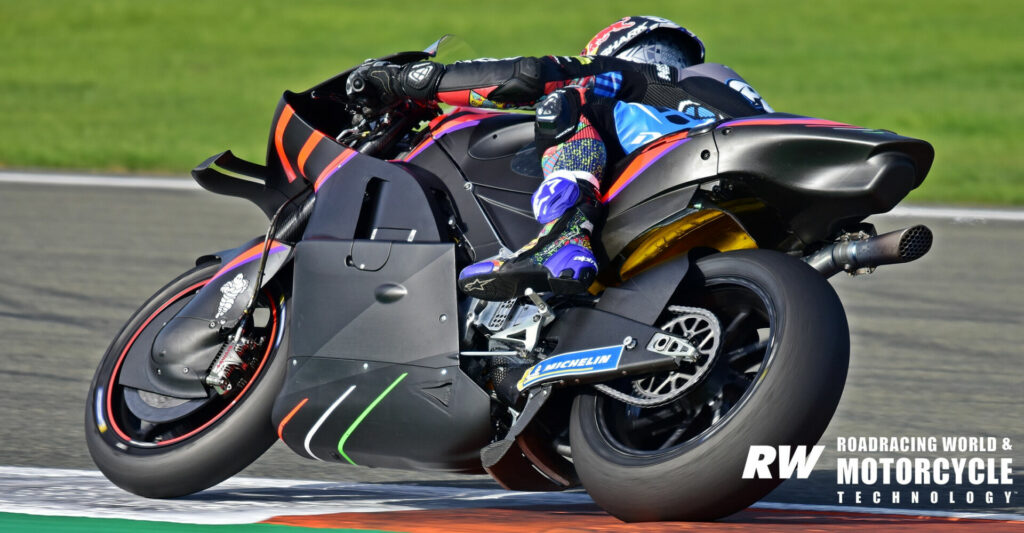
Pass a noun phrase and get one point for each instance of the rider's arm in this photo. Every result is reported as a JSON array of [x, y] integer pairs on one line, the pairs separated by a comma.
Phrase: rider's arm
[[522, 81]]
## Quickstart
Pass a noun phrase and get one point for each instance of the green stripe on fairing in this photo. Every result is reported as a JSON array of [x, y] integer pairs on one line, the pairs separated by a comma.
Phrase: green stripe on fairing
[[359, 419], [74, 524]]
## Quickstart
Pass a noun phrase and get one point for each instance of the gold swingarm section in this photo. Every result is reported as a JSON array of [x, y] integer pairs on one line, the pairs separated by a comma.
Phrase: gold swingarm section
[[704, 228]]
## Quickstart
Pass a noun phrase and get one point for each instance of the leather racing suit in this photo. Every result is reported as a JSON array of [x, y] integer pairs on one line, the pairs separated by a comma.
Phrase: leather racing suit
[[592, 111]]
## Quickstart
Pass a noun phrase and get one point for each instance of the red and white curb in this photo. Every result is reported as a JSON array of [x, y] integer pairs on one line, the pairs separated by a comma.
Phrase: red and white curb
[[242, 500]]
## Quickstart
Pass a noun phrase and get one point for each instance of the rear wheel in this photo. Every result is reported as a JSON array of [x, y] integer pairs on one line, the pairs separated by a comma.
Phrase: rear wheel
[[219, 436], [776, 378]]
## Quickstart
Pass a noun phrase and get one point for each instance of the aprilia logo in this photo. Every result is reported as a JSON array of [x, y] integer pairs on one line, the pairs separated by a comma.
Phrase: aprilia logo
[[760, 459]]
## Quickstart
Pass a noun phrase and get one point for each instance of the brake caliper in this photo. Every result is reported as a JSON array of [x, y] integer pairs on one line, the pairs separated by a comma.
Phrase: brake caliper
[[234, 366]]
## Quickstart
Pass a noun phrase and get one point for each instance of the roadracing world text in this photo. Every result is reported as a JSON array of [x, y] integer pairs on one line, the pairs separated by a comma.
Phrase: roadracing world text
[[927, 470]]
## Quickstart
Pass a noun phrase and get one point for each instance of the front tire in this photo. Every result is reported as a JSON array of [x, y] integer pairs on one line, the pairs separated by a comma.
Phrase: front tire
[[785, 391], [202, 449]]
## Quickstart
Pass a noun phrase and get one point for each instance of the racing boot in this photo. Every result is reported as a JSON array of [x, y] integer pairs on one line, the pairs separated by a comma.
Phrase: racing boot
[[560, 259]]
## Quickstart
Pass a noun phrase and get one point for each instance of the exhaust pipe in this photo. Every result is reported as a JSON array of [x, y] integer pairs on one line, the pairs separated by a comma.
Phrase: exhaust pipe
[[900, 246]]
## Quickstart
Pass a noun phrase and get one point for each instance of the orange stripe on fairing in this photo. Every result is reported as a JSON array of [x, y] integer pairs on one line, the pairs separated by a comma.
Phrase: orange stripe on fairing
[[796, 121], [288, 418], [282, 124], [330, 169], [313, 140], [638, 165], [470, 118], [243, 257], [419, 148]]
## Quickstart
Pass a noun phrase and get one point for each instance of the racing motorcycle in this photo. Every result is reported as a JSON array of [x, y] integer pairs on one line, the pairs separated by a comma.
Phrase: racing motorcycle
[[341, 332]]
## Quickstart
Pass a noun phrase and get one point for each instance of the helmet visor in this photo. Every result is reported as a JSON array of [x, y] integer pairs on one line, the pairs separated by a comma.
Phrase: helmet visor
[[656, 49]]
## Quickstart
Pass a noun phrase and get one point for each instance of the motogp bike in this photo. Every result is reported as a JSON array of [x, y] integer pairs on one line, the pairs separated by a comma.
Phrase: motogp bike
[[341, 332]]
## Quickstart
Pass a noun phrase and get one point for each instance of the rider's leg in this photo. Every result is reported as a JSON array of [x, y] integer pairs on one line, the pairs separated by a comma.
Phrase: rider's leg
[[560, 259]]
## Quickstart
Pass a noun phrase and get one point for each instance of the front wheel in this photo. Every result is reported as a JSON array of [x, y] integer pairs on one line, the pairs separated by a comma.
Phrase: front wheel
[[186, 454], [781, 363]]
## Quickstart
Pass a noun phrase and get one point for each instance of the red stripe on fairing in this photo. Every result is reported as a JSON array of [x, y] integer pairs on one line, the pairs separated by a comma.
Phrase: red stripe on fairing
[[785, 122], [241, 394], [330, 169], [640, 164], [311, 143], [248, 256], [416, 151], [282, 124]]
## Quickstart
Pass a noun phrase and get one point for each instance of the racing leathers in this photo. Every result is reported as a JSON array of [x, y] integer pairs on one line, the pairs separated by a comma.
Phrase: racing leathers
[[592, 111]]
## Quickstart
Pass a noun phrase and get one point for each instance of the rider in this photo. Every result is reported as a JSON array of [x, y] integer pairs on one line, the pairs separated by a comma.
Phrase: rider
[[632, 85]]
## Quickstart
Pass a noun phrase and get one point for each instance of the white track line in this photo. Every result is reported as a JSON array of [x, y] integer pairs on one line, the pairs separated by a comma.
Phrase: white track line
[[88, 180], [957, 213], [139, 182]]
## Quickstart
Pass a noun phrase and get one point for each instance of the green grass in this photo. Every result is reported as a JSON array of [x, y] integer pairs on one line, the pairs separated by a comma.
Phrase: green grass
[[157, 86], [22, 523]]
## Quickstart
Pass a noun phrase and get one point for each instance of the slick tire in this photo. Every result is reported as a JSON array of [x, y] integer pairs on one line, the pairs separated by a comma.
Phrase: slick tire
[[208, 454], [799, 384]]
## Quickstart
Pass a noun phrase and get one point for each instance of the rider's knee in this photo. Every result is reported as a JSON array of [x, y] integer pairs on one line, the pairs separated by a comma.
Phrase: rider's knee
[[558, 116]]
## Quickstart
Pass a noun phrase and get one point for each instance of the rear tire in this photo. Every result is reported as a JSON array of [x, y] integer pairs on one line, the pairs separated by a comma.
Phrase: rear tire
[[210, 449], [789, 398]]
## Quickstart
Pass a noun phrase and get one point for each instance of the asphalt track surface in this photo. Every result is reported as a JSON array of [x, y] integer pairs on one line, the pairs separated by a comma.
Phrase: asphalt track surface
[[936, 345]]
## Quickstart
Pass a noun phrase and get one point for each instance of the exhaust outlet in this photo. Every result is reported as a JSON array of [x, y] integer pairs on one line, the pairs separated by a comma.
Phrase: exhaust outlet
[[900, 246]]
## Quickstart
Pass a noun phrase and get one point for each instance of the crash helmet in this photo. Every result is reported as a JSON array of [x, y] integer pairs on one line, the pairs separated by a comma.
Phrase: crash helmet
[[648, 40]]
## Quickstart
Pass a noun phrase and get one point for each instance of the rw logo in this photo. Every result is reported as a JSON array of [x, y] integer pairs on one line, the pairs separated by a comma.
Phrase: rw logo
[[790, 459]]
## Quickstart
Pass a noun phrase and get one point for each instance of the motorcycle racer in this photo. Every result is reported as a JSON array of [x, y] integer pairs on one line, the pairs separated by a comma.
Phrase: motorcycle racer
[[638, 79]]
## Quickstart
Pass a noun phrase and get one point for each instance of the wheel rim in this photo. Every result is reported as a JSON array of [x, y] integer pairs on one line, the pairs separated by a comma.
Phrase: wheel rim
[[746, 349], [130, 430]]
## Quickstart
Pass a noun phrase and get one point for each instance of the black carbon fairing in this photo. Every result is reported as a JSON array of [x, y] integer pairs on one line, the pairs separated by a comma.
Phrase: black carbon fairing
[[502, 169], [818, 174], [374, 318], [375, 359], [814, 176]]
